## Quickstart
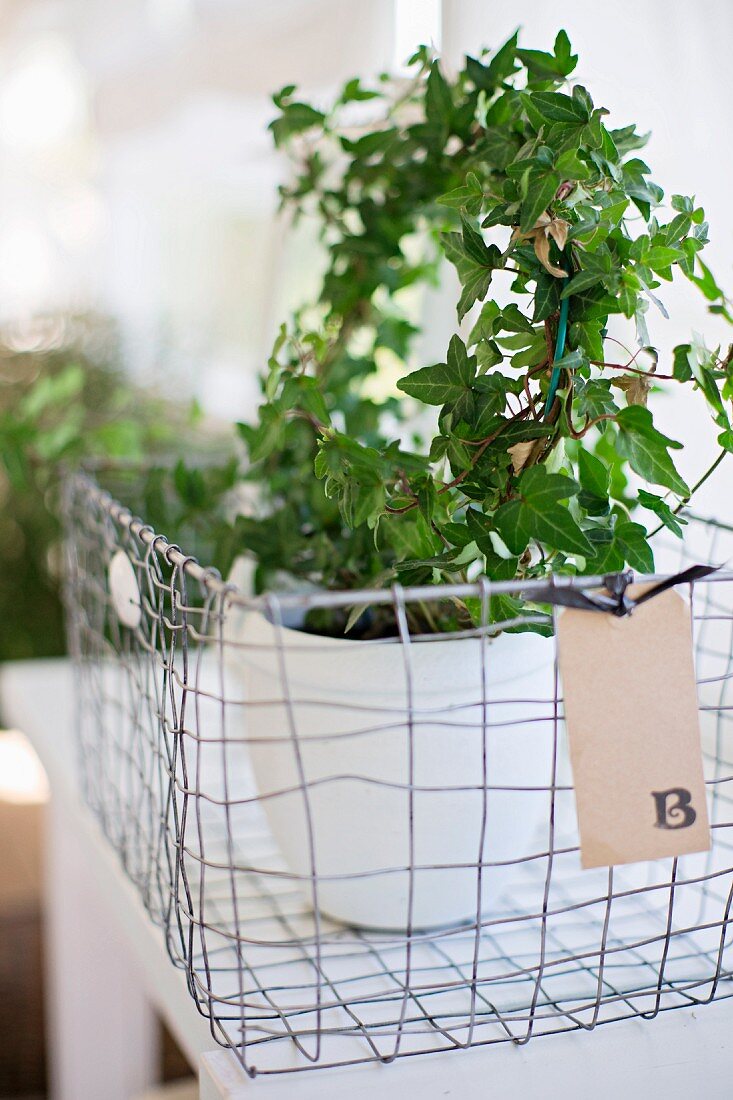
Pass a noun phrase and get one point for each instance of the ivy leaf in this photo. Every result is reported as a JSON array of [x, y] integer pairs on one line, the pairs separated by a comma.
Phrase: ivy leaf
[[540, 514], [707, 283], [594, 304], [635, 386], [702, 363], [438, 100], [295, 118], [627, 300], [361, 504], [681, 363], [582, 97], [632, 541], [643, 192], [304, 392], [661, 509], [594, 475], [262, 439], [572, 360], [566, 59], [509, 522], [597, 267], [539, 190], [607, 555], [445, 561], [659, 257], [443, 382], [498, 147], [513, 320], [353, 92], [410, 536], [502, 64], [558, 107], [488, 355], [475, 246], [627, 140], [436, 385], [647, 450], [582, 280], [587, 335], [370, 144], [490, 401], [460, 362], [594, 398], [547, 66], [520, 430], [498, 568], [571, 167], [678, 228], [459, 534], [468, 197], [476, 285], [484, 327], [479, 74], [475, 262], [545, 516], [625, 544], [478, 528], [531, 355], [593, 505], [547, 297]]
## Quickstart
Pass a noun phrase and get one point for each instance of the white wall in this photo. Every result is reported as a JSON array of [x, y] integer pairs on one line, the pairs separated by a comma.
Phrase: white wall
[[171, 155]]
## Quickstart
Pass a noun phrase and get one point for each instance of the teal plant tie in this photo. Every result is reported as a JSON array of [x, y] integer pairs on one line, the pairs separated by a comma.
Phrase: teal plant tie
[[562, 332]]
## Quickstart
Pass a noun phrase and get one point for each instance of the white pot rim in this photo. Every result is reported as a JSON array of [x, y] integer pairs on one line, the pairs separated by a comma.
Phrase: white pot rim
[[254, 632]]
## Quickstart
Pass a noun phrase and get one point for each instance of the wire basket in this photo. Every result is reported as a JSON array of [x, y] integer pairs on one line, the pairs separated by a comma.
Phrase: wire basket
[[361, 851]]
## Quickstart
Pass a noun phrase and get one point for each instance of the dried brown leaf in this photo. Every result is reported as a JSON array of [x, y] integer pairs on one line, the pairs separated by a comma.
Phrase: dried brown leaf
[[545, 228], [542, 251], [520, 452], [635, 386], [558, 230]]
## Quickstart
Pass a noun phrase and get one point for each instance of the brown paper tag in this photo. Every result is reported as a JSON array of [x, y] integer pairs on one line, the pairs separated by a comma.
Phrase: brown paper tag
[[632, 717]]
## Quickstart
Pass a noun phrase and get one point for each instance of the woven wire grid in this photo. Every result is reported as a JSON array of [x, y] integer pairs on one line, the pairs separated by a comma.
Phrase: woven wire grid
[[274, 800]]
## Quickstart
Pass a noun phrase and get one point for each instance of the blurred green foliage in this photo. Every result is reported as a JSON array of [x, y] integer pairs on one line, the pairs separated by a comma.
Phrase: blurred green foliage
[[63, 398]]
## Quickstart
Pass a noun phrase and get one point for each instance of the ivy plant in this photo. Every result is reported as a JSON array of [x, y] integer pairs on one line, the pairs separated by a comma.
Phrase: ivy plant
[[530, 448]]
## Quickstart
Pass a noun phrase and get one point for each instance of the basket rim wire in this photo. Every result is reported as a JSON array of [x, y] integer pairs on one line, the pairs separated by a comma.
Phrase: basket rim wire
[[165, 760]]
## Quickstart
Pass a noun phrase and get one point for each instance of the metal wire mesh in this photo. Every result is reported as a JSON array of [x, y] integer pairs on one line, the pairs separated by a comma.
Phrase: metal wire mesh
[[364, 851]]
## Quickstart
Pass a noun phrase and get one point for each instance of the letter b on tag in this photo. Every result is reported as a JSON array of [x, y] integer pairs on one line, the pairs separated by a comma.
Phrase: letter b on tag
[[674, 808]]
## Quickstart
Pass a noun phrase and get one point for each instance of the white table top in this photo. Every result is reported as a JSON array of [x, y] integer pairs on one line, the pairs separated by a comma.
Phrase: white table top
[[684, 1052]]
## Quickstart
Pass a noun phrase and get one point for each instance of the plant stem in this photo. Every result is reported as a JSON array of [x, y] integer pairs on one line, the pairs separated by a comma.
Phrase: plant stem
[[683, 503], [634, 370], [562, 328]]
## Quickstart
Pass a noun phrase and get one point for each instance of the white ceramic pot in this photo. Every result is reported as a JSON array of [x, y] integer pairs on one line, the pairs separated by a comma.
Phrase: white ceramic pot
[[334, 715]]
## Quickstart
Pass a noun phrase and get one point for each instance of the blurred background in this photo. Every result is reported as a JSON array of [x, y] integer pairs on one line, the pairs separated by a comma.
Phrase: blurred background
[[139, 245], [138, 179]]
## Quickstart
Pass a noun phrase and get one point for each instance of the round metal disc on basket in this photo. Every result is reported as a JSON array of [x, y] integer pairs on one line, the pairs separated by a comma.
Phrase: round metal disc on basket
[[124, 590]]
